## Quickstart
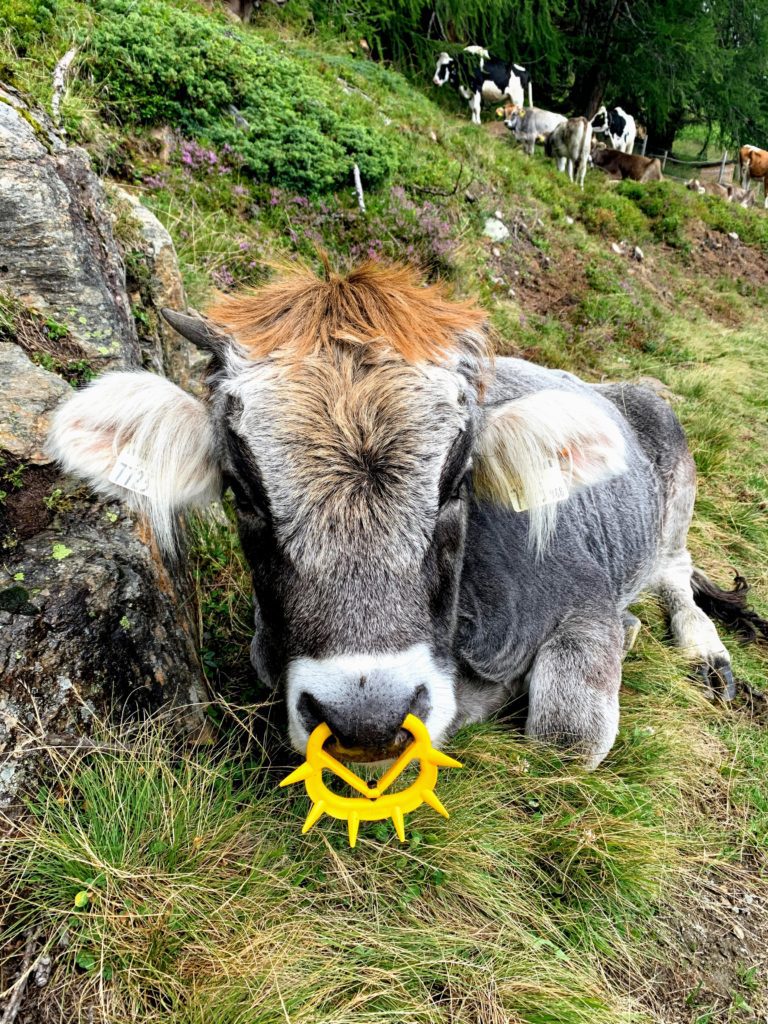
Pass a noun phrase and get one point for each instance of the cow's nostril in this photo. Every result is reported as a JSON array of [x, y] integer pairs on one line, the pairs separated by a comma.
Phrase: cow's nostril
[[420, 703], [310, 711], [366, 724]]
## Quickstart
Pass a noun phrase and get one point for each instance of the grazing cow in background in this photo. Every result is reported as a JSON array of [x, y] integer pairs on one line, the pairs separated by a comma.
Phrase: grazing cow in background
[[618, 126], [530, 124], [569, 143], [480, 78], [428, 530], [626, 165], [753, 163]]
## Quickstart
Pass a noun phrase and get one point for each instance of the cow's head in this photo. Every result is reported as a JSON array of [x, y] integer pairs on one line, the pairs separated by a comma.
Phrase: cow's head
[[513, 115], [600, 121], [443, 69], [346, 416]]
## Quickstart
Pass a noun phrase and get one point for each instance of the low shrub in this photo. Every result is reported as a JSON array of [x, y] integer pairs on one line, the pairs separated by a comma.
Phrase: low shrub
[[27, 20], [161, 64], [397, 226], [665, 206], [607, 212]]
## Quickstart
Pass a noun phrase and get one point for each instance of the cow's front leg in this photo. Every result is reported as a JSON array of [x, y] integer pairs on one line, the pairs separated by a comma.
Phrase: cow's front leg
[[574, 686], [475, 105]]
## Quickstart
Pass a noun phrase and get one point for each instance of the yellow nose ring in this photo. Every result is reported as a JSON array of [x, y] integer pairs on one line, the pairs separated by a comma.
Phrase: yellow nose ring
[[375, 804]]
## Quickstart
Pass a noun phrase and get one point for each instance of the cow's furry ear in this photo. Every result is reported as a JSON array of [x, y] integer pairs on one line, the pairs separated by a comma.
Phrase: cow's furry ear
[[534, 452], [138, 437]]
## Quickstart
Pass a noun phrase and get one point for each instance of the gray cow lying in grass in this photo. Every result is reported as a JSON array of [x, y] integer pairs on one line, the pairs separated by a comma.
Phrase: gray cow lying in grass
[[428, 531]]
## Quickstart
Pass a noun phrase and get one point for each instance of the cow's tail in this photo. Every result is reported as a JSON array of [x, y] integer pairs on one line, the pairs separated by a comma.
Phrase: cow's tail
[[729, 606]]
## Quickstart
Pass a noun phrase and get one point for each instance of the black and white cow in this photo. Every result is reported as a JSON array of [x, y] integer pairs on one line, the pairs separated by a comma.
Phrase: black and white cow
[[428, 531], [480, 78], [618, 126]]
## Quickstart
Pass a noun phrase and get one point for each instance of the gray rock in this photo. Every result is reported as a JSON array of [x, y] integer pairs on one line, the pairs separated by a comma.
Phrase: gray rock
[[495, 229], [94, 626], [30, 396], [57, 251], [150, 245], [29, 140]]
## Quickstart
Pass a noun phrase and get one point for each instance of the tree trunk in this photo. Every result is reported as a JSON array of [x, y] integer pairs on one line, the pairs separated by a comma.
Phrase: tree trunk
[[588, 92], [93, 624]]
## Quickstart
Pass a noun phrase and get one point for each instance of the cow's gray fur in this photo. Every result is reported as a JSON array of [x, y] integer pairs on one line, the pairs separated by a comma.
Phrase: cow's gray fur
[[532, 123]]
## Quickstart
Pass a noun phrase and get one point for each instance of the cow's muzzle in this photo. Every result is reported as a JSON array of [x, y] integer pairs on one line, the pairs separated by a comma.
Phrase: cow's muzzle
[[365, 726], [364, 699]]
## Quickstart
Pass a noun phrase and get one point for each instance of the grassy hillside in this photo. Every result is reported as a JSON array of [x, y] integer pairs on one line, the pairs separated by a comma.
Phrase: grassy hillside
[[175, 886]]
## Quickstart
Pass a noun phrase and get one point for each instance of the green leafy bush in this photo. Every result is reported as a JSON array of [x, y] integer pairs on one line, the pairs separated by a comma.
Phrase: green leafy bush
[[607, 212], [27, 20], [161, 64]]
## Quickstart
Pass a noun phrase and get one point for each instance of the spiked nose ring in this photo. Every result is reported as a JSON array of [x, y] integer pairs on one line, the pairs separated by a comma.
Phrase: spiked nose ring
[[375, 804]]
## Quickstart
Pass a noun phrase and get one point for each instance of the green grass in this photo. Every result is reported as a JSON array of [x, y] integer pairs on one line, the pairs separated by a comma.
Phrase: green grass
[[543, 898]]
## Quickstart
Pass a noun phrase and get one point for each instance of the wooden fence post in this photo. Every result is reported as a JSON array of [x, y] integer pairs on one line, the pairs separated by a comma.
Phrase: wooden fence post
[[722, 166], [645, 143], [664, 160]]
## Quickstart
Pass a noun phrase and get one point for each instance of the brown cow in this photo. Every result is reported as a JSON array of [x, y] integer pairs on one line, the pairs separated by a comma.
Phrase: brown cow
[[753, 163], [626, 165]]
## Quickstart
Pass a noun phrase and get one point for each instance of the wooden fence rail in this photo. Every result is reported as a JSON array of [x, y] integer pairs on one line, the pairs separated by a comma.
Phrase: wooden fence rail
[[710, 170]]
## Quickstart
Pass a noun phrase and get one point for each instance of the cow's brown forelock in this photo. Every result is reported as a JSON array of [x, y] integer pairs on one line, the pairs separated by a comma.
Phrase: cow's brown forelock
[[384, 307]]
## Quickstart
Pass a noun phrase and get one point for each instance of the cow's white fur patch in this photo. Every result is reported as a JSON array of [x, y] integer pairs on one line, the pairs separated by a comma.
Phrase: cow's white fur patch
[[522, 439], [147, 424], [331, 680], [444, 60]]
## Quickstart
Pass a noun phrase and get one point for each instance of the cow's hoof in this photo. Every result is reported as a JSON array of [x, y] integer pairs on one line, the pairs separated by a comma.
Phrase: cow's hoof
[[717, 677], [632, 626]]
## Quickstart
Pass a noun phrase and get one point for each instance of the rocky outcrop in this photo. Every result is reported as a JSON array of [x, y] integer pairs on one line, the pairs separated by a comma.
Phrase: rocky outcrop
[[30, 395], [93, 623], [154, 282], [57, 251]]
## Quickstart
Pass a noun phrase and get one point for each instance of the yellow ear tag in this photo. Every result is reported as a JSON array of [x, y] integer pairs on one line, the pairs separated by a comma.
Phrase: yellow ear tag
[[375, 804]]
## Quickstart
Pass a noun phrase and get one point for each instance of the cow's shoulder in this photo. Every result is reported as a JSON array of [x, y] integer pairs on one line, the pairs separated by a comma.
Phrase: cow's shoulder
[[515, 378], [652, 419]]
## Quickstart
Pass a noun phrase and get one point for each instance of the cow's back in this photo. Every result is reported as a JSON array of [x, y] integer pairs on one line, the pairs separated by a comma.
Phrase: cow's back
[[653, 422]]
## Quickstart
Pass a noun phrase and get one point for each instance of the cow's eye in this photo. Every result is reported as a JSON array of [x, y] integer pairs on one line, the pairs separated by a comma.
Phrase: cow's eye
[[458, 489], [247, 503]]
